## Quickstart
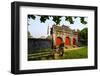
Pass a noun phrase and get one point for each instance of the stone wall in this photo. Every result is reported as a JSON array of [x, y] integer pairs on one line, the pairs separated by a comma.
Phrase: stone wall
[[36, 45]]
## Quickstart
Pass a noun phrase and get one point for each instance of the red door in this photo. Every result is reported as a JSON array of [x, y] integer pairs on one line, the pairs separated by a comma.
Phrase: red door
[[67, 41], [58, 41], [74, 41]]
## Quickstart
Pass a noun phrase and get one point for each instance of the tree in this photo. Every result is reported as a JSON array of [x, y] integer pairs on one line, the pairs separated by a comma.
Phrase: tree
[[57, 19], [49, 37], [29, 35], [84, 34]]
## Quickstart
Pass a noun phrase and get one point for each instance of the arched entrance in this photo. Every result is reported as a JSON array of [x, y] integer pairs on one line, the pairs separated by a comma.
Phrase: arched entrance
[[58, 41], [74, 41], [67, 41]]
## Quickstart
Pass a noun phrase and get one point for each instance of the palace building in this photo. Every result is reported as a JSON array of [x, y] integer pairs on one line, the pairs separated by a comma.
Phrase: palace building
[[64, 34]]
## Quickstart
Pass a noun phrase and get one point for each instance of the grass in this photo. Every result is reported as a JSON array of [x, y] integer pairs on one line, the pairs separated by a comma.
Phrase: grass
[[76, 53]]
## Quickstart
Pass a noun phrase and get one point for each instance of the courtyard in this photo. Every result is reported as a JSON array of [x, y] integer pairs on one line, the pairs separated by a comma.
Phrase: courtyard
[[74, 53]]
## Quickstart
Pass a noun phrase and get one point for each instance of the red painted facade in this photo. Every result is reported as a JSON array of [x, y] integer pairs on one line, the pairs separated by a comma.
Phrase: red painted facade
[[74, 41], [58, 41], [63, 34], [67, 41]]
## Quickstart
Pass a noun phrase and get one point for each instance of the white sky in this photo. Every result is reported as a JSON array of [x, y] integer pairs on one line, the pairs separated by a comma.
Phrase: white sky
[[38, 29]]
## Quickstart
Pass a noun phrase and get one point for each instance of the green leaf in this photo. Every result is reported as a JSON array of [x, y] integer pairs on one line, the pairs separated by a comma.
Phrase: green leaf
[[31, 16], [44, 18], [57, 19], [70, 19], [82, 20]]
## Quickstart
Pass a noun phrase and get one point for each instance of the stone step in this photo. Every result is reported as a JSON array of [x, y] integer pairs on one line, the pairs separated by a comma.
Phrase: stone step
[[68, 47], [75, 46]]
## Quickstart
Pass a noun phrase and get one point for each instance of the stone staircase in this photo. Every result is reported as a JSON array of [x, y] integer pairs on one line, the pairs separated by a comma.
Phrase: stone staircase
[[75, 46], [68, 47]]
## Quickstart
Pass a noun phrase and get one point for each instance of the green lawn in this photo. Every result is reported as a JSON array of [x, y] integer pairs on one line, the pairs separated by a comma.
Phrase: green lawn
[[74, 53], [81, 52]]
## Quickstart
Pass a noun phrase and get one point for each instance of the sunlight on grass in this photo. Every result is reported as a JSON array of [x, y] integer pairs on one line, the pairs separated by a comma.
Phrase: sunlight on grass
[[76, 53]]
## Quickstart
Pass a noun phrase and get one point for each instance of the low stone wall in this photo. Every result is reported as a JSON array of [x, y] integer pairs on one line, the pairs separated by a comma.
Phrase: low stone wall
[[37, 45]]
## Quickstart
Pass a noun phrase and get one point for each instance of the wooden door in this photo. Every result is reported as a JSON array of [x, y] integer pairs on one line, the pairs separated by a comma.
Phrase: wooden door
[[67, 41], [74, 41], [58, 41]]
